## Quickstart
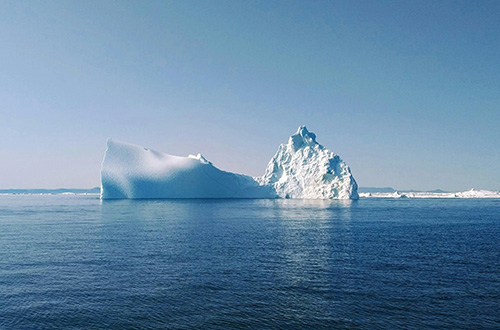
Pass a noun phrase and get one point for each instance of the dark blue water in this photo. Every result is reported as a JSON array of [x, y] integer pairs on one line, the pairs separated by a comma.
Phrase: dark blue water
[[72, 262]]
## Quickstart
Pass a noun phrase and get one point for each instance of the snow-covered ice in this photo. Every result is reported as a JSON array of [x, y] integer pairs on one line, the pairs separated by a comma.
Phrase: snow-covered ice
[[130, 171], [302, 168]]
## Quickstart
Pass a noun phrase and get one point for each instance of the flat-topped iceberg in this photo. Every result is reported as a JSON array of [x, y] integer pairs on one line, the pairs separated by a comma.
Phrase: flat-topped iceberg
[[300, 169], [130, 171]]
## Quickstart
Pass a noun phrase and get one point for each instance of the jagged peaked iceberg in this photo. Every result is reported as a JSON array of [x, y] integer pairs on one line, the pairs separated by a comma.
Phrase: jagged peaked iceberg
[[303, 168], [300, 169]]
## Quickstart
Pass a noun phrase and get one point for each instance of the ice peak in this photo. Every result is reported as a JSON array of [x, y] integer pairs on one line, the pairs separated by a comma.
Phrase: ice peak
[[303, 168], [302, 138], [200, 157]]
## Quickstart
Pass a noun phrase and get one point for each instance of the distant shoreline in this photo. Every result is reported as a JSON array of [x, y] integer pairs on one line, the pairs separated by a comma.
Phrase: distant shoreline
[[370, 192], [95, 190]]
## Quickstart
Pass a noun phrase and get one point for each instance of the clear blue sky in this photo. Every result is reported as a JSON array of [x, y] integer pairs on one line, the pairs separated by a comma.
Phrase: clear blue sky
[[406, 92]]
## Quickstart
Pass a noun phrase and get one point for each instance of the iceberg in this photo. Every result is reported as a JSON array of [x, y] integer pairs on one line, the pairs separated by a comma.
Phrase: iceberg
[[130, 171], [302, 168]]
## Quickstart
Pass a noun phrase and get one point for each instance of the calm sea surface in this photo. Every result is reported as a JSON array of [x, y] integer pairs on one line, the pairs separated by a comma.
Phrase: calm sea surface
[[74, 262]]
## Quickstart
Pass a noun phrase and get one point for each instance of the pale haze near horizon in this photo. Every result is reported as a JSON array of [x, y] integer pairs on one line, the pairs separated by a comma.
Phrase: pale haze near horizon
[[407, 93]]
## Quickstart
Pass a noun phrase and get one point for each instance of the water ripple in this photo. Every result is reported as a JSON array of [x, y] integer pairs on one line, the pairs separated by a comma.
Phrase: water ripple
[[76, 263]]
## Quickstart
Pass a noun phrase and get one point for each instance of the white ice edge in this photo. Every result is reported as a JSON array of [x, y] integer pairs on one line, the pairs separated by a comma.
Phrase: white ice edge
[[473, 193]]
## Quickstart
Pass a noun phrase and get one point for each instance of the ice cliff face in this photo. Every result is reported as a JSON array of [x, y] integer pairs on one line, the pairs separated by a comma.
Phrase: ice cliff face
[[303, 168], [300, 169]]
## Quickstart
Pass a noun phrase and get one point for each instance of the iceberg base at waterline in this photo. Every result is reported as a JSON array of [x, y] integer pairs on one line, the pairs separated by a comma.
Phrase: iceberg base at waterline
[[302, 168]]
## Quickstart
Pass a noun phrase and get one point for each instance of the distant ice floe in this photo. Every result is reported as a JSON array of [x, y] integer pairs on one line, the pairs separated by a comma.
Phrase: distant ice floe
[[473, 193], [302, 168], [49, 194]]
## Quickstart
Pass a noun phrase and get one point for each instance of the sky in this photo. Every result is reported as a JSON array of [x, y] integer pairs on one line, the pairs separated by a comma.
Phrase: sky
[[406, 92]]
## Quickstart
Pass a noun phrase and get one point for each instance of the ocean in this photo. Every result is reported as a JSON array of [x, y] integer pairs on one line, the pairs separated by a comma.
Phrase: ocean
[[76, 262]]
